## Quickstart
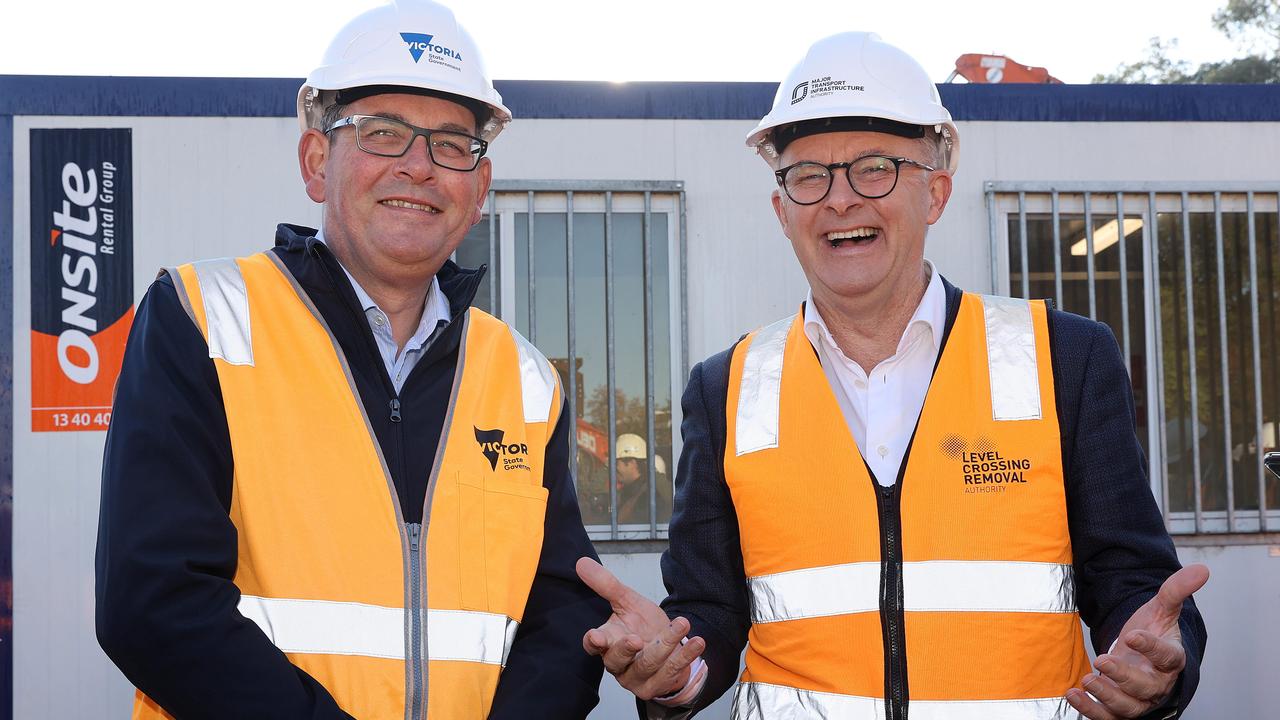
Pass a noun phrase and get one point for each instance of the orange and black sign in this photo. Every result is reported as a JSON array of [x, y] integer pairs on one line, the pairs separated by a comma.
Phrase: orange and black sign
[[81, 273]]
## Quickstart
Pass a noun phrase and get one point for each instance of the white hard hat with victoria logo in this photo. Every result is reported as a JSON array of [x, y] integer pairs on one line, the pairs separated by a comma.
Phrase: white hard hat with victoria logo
[[857, 75], [410, 44]]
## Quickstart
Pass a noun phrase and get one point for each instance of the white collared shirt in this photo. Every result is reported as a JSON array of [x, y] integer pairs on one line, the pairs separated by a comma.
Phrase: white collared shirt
[[881, 409], [400, 362]]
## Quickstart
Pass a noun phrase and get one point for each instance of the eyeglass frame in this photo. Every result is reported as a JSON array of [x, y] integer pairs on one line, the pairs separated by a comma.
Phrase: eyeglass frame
[[898, 162], [354, 120]]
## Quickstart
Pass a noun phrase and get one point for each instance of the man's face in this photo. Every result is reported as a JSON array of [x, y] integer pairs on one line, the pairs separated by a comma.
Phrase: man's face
[[628, 470], [888, 260], [394, 220]]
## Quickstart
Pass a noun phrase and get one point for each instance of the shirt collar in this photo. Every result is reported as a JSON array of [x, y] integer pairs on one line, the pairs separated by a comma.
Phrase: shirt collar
[[930, 316], [435, 308]]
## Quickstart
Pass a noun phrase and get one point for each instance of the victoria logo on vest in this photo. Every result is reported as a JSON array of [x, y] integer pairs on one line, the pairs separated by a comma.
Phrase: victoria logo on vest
[[984, 468], [492, 447]]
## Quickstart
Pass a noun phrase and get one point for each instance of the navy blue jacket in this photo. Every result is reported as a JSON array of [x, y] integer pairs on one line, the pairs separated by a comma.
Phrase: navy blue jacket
[[1121, 549], [166, 603]]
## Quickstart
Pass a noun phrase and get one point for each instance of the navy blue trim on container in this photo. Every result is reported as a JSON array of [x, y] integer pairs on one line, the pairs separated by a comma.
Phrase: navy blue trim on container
[[6, 395], [549, 99]]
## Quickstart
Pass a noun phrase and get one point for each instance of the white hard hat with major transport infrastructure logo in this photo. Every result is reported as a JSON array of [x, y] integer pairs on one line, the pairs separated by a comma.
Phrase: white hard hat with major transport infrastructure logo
[[407, 43], [857, 75]]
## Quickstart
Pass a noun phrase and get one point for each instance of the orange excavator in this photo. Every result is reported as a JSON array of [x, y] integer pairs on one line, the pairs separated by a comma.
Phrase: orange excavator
[[979, 68]]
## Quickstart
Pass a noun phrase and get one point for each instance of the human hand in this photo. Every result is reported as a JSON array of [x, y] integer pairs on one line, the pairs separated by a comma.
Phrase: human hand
[[1140, 670], [640, 646]]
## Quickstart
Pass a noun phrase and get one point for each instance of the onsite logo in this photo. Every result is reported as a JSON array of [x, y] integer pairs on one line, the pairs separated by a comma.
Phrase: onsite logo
[[81, 273], [799, 92], [492, 447], [419, 43]]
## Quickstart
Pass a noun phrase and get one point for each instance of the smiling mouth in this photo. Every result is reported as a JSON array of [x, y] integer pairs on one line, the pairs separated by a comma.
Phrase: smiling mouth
[[854, 237], [410, 205]]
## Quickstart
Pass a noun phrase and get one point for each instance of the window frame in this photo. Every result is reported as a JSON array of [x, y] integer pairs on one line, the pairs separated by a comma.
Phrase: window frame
[[1011, 202], [509, 198]]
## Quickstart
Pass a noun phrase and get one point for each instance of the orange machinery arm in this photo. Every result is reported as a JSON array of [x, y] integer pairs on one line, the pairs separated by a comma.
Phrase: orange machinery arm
[[979, 68]]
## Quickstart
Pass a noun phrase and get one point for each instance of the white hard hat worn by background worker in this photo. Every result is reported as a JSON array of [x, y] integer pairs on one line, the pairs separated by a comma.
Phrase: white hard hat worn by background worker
[[630, 445], [855, 81], [415, 46]]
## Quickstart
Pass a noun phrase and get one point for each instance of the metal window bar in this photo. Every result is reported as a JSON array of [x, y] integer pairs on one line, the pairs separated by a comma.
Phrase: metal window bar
[[1191, 360], [1172, 199], [611, 381], [684, 306], [1022, 244], [1057, 250], [650, 446], [493, 253], [1222, 347], [532, 303], [1153, 272], [1089, 262], [572, 333], [1124, 282], [1257, 361]]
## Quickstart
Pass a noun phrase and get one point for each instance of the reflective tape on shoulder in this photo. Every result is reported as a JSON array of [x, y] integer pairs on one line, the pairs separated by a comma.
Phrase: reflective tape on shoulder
[[1011, 359], [346, 628], [537, 380], [760, 394], [226, 310], [762, 701], [929, 586]]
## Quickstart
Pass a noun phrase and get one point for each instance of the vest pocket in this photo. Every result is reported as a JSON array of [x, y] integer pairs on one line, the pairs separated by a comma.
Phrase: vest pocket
[[502, 524]]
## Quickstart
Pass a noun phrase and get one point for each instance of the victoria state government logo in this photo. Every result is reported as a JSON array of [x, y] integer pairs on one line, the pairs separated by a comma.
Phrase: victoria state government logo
[[983, 467], [513, 455]]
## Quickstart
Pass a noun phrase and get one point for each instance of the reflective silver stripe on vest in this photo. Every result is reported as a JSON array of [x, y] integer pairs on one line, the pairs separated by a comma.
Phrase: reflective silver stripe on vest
[[935, 585], [1011, 359], [537, 380], [760, 396], [815, 592], [346, 628], [226, 310], [761, 701]]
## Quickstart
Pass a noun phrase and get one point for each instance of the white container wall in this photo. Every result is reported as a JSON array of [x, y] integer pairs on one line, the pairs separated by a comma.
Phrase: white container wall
[[216, 186]]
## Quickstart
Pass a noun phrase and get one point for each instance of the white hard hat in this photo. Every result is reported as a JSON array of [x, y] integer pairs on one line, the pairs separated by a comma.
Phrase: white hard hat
[[630, 445], [406, 43], [857, 75]]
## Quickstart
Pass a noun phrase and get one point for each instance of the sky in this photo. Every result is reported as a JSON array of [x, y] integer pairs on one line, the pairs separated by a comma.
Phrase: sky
[[601, 39]]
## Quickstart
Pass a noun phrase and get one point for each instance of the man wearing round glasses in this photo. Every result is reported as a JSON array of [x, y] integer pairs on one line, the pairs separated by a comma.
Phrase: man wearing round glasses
[[332, 488], [904, 498]]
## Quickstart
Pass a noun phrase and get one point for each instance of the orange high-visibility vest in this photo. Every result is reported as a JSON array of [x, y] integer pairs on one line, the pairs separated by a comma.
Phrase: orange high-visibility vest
[[951, 592], [394, 622]]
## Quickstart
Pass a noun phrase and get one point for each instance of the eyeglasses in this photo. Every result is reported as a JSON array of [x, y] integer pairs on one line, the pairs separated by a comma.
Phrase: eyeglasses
[[873, 176], [388, 137]]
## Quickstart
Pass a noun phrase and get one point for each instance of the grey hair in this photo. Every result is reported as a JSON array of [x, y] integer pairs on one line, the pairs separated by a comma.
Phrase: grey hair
[[331, 115], [935, 148]]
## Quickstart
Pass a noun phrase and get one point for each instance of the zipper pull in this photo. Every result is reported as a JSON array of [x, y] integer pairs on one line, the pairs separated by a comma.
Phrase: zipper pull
[[415, 532], [395, 410]]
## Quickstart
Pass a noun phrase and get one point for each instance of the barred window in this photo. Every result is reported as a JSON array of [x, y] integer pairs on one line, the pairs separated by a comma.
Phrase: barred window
[[590, 272], [1188, 278]]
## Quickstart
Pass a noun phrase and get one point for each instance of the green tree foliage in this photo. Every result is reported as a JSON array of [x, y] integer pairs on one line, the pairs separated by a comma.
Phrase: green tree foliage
[[1253, 24]]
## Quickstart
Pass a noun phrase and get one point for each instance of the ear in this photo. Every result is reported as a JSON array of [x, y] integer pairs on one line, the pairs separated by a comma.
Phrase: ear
[[313, 156], [939, 194], [776, 198], [484, 178]]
